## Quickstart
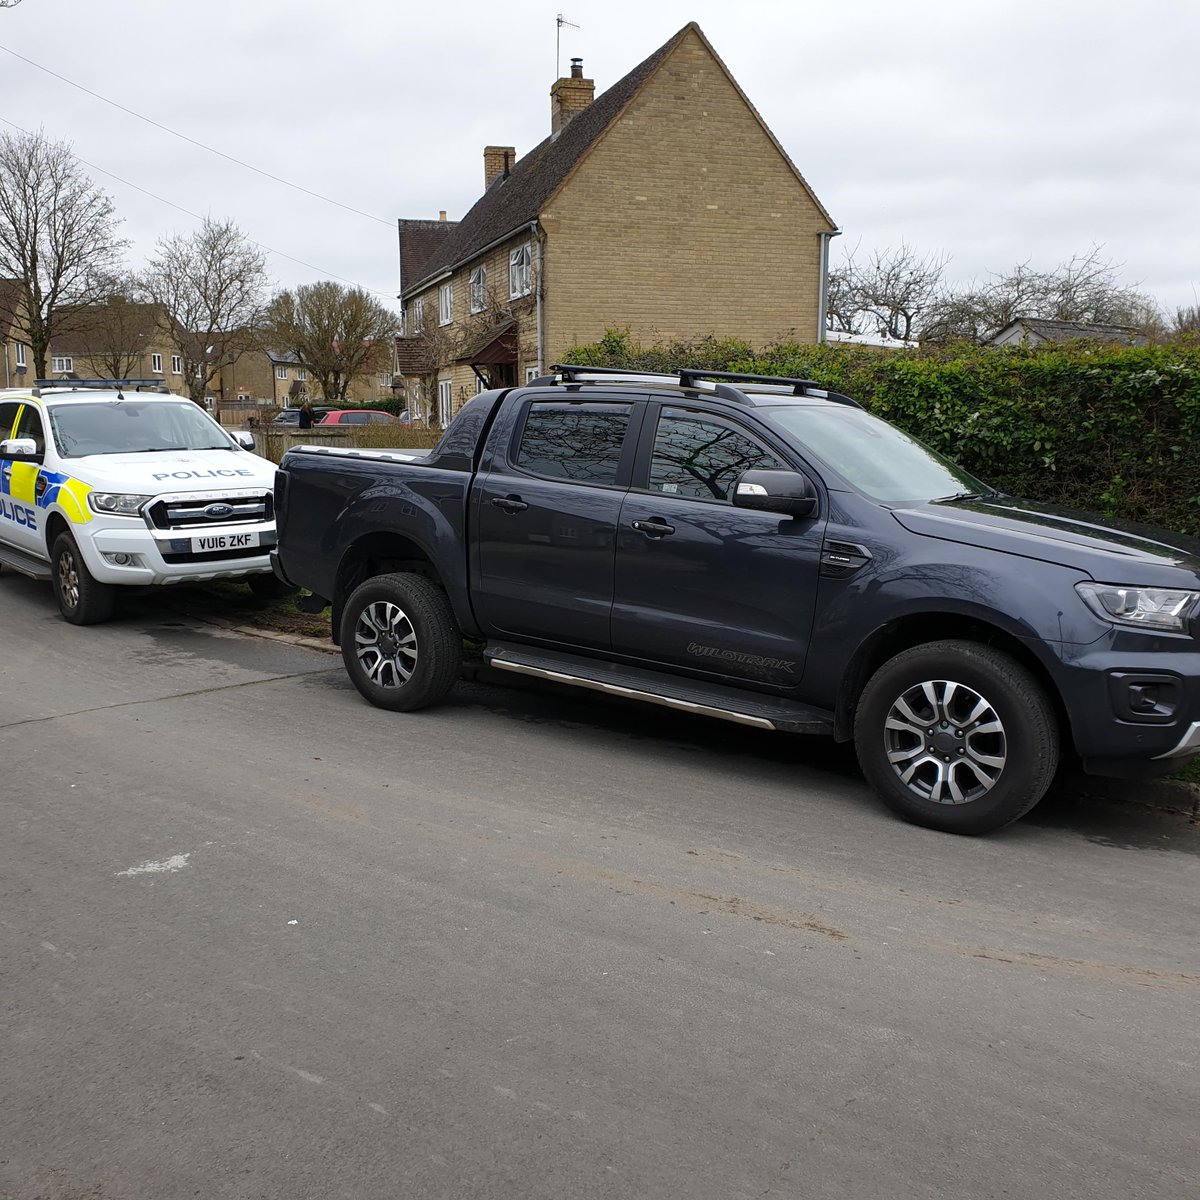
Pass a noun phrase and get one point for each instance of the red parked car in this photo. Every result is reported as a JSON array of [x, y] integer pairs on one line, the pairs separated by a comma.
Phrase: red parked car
[[356, 416]]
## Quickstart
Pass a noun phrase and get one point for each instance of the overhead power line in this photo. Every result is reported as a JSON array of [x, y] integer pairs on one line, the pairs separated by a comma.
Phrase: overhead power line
[[196, 216], [203, 146]]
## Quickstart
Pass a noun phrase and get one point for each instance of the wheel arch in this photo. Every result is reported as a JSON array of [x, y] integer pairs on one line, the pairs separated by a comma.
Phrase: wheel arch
[[915, 630], [379, 553]]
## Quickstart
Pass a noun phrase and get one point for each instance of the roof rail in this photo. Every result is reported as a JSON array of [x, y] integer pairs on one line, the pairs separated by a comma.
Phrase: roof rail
[[570, 373], [697, 378]]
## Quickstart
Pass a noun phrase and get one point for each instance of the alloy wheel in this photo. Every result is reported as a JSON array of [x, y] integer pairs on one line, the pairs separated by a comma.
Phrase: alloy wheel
[[945, 742], [385, 644]]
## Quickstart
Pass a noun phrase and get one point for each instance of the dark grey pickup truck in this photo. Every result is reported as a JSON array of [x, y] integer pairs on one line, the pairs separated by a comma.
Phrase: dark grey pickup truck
[[763, 551]]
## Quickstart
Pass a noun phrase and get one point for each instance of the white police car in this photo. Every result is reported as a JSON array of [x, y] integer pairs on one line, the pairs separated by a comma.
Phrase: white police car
[[107, 488]]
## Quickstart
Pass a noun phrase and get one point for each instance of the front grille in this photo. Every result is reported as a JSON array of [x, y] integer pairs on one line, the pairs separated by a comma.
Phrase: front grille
[[180, 512]]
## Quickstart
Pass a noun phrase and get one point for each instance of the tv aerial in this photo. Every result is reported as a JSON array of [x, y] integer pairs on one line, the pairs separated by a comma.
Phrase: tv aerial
[[560, 21]]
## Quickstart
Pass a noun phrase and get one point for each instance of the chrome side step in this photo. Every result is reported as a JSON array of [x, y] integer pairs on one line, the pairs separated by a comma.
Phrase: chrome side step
[[757, 710]]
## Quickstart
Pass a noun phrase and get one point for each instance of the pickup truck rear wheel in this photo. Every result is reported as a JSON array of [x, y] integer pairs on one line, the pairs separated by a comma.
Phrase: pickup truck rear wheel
[[400, 642], [956, 736], [82, 599]]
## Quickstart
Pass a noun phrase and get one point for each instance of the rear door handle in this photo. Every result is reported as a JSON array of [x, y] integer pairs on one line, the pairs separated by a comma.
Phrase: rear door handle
[[510, 504], [656, 527]]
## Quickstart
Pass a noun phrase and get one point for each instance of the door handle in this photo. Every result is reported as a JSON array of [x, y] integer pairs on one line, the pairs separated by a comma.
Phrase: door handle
[[510, 504], [655, 528]]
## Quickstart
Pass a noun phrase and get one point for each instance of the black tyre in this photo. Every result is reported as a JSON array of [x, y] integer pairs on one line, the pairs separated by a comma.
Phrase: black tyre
[[400, 642], [81, 599], [956, 736], [268, 587]]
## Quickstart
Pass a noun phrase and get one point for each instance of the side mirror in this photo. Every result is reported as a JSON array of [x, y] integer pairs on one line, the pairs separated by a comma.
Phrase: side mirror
[[789, 492], [244, 438], [20, 450]]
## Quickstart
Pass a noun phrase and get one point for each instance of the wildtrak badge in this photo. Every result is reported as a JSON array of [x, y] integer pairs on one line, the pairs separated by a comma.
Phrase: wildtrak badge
[[745, 660]]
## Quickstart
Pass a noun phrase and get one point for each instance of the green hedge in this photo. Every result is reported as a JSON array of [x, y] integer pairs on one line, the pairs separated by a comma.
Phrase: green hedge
[[1107, 428]]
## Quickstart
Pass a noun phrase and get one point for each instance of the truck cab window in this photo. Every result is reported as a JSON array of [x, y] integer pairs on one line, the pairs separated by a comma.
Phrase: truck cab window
[[581, 442], [702, 459]]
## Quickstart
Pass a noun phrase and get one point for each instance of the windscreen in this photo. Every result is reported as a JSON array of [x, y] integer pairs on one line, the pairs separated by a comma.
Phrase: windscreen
[[873, 456], [134, 427]]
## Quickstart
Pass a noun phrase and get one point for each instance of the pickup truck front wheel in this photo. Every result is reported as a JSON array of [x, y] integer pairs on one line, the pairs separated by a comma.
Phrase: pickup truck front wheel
[[956, 736], [82, 599], [400, 642]]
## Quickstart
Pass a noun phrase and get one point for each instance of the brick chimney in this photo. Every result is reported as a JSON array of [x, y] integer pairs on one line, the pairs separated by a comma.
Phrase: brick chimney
[[569, 97], [497, 161]]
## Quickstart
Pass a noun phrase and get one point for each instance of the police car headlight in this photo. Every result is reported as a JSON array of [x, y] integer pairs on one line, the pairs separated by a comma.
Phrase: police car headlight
[[118, 504], [1144, 607]]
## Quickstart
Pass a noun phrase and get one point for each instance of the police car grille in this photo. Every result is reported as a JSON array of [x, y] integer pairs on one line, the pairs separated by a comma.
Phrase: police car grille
[[190, 514]]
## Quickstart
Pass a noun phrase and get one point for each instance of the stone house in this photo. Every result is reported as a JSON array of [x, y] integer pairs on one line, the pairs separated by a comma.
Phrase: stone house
[[665, 206]]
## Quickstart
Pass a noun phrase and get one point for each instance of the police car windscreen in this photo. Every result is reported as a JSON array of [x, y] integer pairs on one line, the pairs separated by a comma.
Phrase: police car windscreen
[[134, 427]]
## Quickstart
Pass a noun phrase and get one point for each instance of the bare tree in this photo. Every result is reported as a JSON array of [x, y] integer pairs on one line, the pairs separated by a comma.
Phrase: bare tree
[[57, 236], [1186, 321], [1083, 288], [335, 332], [211, 285], [891, 294]]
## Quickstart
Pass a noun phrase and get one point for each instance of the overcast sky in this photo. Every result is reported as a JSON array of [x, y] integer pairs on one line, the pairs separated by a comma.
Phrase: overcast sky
[[993, 133]]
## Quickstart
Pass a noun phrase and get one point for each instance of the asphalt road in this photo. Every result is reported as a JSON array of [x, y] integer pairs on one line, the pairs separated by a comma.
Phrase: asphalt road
[[258, 939]]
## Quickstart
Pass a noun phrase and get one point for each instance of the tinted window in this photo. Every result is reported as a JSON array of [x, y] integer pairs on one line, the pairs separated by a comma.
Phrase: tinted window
[[574, 441], [702, 459]]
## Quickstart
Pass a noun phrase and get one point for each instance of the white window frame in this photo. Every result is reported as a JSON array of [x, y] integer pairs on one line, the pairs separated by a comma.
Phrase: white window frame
[[21, 354], [446, 304], [281, 372], [301, 374], [176, 364], [156, 364], [520, 271], [445, 401], [59, 363], [418, 314], [531, 373], [479, 289]]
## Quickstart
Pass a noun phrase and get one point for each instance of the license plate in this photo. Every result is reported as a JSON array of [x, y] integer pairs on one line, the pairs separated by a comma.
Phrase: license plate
[[223, 541]]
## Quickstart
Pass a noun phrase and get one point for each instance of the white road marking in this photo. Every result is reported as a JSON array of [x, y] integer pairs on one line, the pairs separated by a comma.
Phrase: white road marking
[[175, 863]]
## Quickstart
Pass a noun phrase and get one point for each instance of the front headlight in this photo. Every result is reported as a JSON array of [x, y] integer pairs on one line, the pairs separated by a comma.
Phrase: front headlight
[[117, 504], [1143, 607]]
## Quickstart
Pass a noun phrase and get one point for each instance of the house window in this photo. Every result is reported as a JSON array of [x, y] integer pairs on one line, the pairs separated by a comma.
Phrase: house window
[[479, 289], [531, 373], [156, 364], [445, 401], [281, 372], [302, 374], [176, 364], [385, 379], [59, 363], [446, 304], [418, 315], [20, 354], [519, 275], [415, 402], [199, 370]]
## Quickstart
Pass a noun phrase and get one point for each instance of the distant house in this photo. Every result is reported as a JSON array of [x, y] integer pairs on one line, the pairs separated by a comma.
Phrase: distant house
[[118, 339], [665, 207], [18, 362], [1039, 331]]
